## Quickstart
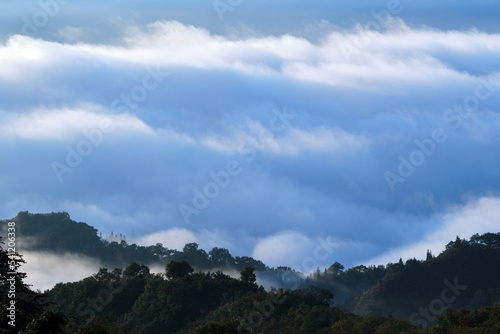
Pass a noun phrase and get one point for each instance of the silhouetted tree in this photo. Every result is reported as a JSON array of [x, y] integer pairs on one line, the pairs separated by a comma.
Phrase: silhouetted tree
[[248, 275], [136, 270], [335, 268], [429, 255], [178, 269], [220, 257]]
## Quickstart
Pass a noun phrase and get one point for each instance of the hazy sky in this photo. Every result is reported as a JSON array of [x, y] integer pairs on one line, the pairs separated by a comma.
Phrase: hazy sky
[[266, 127]]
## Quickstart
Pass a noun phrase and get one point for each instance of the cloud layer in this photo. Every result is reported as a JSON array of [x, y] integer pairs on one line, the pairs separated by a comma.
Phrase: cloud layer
[[257, 141], [44, 270], [478, 216]]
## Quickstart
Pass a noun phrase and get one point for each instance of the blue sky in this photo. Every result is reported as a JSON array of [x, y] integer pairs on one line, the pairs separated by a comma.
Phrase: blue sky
[[373, 126]]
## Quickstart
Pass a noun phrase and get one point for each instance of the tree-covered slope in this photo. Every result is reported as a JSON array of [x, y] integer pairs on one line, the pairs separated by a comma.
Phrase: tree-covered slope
[[466, 274], [193, 295]]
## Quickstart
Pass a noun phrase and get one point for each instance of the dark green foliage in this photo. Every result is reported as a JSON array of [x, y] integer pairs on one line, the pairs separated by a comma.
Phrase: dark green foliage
[[46, 231], [404, 289], [104, 275], [193, 255], [487, 240], [90, 297], [335, 269], [461, 321], [178, 269], [244, 261], [107, 324], [248, 275], [58, 233], [218, 327], [92, 326], [170, 305], [429, 255], [48, 322], [136, 270], [221, 257], [28, 303], [348, 283], [135, 301], [314, 295], [373, 325]]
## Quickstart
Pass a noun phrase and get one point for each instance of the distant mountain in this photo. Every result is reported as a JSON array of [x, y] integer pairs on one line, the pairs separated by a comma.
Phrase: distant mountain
[[125, 297], [58, 233]]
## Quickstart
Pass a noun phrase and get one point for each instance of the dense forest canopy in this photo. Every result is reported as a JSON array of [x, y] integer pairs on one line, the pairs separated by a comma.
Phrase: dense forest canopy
[[457, 291]]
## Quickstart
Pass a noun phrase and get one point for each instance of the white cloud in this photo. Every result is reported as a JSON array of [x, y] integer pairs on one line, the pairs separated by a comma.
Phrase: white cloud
[[154, 178], [177, 238], [292, 142], [174, 238], [287, 248], [479, 216], [321, 139], [395, 55], [75, 34], [45, 270], [64, 123]]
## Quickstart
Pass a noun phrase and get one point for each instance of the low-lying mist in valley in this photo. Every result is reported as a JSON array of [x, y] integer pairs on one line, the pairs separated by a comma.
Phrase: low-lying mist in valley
[[45, 269]]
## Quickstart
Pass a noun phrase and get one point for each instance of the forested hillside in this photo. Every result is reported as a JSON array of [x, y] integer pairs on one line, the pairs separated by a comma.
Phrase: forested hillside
[[457, 291], [465, 275]]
